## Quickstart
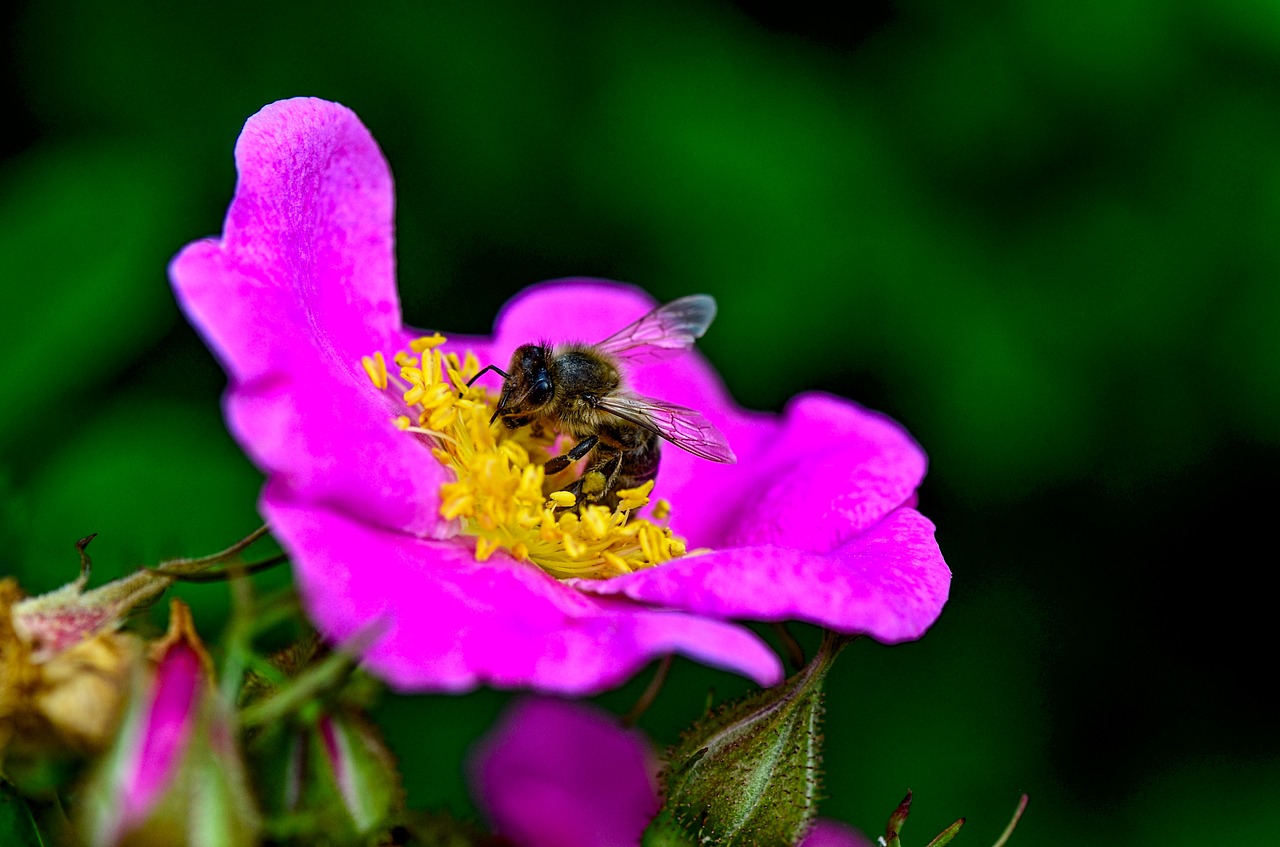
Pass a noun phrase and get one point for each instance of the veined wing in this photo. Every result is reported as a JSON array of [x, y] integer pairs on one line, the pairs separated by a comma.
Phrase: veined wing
[[665, 331], [686, 428]]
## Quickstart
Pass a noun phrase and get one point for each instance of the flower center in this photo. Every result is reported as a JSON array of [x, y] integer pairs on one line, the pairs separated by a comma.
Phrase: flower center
[[501, 493]]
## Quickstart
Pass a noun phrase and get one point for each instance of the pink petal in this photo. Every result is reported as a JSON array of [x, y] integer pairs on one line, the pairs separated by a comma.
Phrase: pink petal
[[812, 478], [890, 582], [165, 731], [307, 244], [298, 289], [828, 833], [449, 623], [558, 774]]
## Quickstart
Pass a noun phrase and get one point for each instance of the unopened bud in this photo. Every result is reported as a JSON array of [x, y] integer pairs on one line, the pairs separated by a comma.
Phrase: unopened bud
[[173, 775], [318, 760], [749, 773]]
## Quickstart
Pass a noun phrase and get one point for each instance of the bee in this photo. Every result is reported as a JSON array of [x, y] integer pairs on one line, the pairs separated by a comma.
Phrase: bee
[[579, 390]]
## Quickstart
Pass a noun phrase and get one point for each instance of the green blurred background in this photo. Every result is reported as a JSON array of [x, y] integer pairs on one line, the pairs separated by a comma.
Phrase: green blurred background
[[1040, 235]]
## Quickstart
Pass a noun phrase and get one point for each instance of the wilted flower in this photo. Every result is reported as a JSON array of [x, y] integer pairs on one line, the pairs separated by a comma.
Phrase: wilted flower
[[64, 667], [405, 512], [559, 774]]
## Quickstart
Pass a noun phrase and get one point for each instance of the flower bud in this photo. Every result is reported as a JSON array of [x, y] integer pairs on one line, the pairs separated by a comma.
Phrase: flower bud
[[173, 775], [316, 759], [749, 773]]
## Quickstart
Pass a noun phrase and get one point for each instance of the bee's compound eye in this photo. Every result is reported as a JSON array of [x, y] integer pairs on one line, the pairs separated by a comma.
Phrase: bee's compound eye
[[540, 393]]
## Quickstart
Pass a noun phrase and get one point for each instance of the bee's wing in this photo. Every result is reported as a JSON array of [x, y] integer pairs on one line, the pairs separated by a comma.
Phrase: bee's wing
[[666, 330], [686, 428]]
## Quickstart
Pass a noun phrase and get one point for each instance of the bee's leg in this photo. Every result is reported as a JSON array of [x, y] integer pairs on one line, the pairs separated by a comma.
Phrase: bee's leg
[[597, 482], [559, 463]]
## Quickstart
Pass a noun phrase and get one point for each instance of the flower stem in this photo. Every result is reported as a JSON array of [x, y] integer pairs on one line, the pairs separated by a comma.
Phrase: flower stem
[[1008, 830], [182, 567], [233, 571]]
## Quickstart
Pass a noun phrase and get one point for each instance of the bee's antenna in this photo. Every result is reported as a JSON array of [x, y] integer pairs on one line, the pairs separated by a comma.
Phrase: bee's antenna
[[481, 373], [484, 370]]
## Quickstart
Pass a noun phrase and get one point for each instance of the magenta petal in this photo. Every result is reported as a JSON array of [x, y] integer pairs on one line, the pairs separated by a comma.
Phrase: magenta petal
[[298, 289], [556, 774], [449, 623], [825, 471], [307, 244], [828, 833], [332, 442], [890, 582], [165, 730]]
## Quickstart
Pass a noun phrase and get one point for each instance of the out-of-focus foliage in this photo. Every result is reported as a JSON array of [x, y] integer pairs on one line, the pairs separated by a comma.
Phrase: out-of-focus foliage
[[1040, 235]]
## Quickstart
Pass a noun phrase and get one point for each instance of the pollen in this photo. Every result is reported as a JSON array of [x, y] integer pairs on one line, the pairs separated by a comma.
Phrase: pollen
[[499, 492]]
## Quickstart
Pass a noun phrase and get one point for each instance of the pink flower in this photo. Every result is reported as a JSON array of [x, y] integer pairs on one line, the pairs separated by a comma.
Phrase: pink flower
[[563, 774], [815, 522]]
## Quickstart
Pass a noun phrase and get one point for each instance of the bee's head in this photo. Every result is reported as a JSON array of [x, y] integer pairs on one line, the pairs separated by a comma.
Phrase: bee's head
[[528, 386]]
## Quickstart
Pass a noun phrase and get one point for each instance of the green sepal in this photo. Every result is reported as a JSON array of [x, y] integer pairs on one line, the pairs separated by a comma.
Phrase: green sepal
[[663, 831], [749, 773], [944, 837], [896, 820]]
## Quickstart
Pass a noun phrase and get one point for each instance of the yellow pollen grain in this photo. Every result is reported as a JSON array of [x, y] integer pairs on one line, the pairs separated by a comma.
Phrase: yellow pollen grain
[[499, 493]]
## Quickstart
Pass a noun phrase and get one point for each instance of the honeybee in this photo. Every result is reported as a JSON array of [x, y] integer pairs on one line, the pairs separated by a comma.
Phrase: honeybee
[[578, 389]]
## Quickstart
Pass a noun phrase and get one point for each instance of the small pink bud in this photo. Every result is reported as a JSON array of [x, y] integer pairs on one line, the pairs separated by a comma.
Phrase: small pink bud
[[333, 772], [173, 775]]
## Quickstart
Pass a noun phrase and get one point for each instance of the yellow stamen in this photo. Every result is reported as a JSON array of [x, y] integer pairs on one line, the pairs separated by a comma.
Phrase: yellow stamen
[[563, 498], [500, 493], [376, 367], [427, 342]]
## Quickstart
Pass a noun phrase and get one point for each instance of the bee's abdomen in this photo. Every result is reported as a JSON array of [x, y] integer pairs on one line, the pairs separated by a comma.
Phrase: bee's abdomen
[[640, 464]]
